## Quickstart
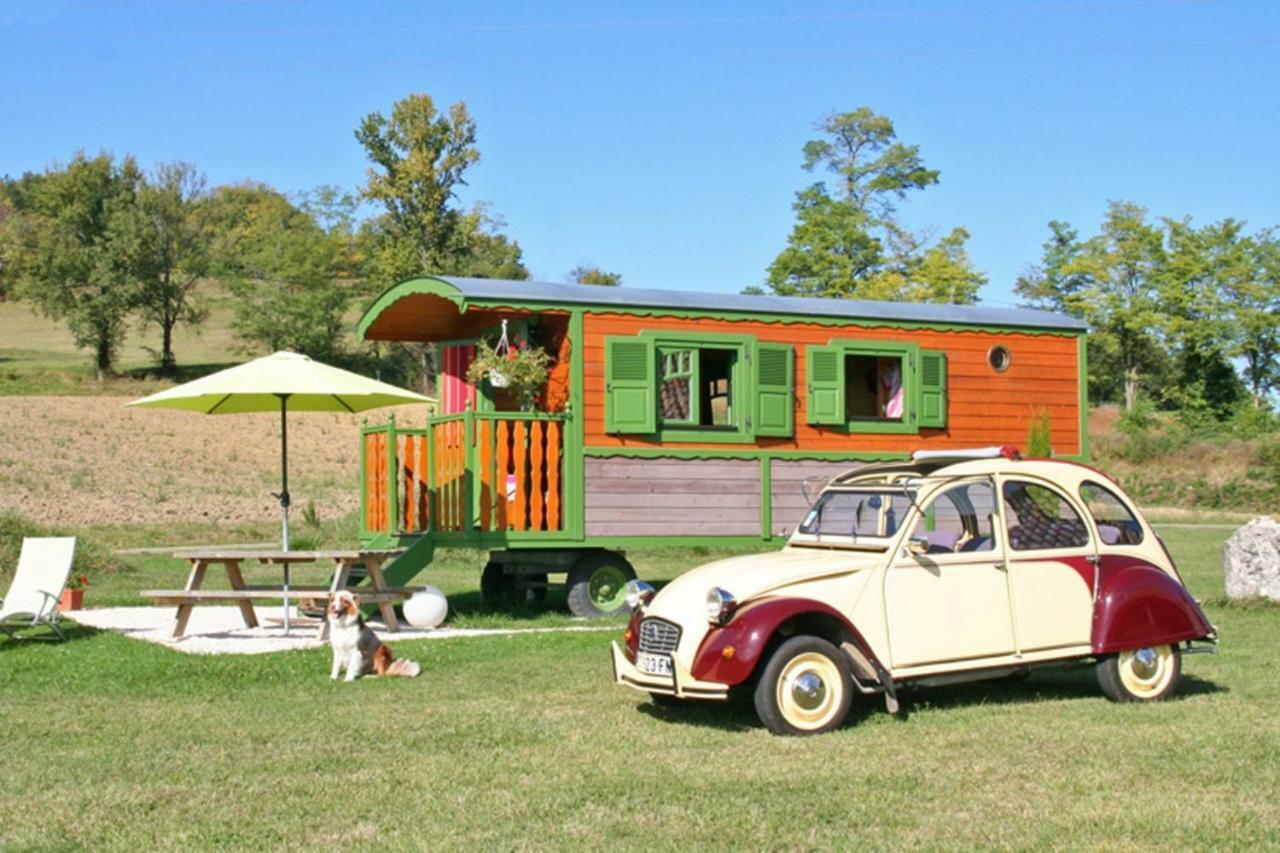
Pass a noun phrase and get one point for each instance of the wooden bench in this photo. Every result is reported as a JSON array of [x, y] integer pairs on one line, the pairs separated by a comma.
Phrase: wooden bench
[[304, 595], [242, 594]]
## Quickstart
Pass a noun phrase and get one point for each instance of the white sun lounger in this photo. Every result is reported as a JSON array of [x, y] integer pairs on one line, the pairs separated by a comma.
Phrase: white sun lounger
[[43, 568]]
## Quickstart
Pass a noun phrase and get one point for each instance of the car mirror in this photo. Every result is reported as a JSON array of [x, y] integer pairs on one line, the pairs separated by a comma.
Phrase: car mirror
[[918, 545]]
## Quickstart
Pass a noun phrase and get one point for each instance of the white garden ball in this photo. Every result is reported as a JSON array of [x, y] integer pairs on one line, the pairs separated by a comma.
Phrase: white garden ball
[[426, 608]]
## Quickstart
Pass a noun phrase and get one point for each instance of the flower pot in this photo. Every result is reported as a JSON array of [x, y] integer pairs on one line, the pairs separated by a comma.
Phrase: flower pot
[[71, 599], [499, 380]]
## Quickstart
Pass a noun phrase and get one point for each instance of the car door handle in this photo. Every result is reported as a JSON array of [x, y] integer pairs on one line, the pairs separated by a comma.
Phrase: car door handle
[[999, 564]]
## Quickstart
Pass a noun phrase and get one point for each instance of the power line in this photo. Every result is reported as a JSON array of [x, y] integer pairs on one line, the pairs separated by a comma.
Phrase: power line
[[638, 23]]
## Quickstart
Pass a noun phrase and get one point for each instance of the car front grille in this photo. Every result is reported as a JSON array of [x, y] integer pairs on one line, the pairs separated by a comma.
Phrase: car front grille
[[658, 636]]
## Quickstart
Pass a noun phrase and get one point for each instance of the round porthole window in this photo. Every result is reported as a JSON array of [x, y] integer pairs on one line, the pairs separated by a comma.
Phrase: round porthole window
[[999, 359]]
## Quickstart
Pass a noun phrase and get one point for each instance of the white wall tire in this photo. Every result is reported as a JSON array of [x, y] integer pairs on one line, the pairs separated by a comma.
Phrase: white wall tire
[[1148, 674], [804, 689]]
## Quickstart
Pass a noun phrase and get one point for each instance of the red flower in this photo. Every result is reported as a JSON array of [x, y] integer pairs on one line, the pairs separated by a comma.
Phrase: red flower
[[84, 580]]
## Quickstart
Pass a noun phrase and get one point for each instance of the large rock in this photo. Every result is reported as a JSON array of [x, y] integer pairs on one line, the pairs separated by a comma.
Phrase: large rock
[[1251, 560]]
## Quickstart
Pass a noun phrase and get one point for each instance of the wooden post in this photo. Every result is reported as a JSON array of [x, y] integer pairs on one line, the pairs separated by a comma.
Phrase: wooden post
[[393, 479]]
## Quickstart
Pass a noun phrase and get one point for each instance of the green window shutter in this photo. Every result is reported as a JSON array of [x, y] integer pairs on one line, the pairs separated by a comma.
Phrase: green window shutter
[[933, 388], [631, 400], [825, 366], [775, 367]]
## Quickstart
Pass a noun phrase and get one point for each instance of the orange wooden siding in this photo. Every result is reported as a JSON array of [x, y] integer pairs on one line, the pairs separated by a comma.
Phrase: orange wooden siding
[[983, 408]]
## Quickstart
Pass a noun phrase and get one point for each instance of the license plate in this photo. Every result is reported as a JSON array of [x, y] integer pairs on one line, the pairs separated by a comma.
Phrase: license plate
[[653, 664]]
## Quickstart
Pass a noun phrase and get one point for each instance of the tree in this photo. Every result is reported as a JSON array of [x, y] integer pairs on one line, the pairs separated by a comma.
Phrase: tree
[[282, 267], [1113, 282], [847, 242], [419, 161], [1255, 314], [70, 249], [169, 235], [590, 274]]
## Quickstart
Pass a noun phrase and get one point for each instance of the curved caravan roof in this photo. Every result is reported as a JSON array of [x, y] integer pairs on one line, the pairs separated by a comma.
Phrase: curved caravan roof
[[400, 310]]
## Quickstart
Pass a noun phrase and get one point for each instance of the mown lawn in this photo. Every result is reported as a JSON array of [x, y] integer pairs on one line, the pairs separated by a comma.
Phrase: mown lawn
[[522, 742]]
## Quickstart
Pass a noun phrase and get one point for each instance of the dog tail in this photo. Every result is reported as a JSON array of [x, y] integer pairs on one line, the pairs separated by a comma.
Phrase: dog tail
[[406, 668], [383, 664]]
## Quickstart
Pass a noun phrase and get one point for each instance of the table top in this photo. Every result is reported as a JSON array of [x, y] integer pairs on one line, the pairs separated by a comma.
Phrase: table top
[[282, 556]]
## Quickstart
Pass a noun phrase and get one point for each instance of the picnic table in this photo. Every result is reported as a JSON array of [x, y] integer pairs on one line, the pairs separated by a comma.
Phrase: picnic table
[[243, 594]]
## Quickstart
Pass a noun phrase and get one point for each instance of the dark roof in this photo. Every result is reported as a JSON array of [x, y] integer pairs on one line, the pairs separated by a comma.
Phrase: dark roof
[[859, 309]]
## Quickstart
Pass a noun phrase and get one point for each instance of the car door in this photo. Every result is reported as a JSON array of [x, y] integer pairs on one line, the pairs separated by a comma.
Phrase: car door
[[1052, 557], [951, 603]]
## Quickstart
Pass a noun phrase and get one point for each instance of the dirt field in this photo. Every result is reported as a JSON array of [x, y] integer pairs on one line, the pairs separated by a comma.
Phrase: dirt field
[[90, 460]]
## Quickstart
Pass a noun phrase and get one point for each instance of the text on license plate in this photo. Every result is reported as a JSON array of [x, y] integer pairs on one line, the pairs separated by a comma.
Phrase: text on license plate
[[653, 664]]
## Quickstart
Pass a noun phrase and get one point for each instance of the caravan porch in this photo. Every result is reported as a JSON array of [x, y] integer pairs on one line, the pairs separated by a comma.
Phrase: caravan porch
[[473, 478]]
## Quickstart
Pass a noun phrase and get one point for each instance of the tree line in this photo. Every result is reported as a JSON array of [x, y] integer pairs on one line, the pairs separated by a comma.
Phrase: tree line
[[99, 243]]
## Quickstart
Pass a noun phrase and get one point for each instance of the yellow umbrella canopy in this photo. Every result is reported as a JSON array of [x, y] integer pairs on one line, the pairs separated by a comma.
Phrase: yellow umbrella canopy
[[261, 384], [284, 382]]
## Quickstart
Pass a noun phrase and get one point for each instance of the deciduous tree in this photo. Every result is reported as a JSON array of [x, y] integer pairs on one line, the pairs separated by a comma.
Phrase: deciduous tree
[[169, 234], [590, 274], [847, 241], [70, 250]]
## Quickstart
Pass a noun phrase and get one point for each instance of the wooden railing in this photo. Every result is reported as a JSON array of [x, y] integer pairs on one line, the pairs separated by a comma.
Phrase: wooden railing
[[484, 472]]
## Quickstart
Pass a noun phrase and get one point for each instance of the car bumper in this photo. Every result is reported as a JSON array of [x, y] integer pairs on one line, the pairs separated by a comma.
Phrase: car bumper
[[680, 684]]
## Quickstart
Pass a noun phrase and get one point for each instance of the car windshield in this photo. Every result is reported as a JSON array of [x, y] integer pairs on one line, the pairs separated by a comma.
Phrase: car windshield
[[858, 513]]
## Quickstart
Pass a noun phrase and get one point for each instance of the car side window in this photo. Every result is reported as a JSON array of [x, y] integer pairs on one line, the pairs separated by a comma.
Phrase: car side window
[[959, 520], [1117, 524], [1038, 518]]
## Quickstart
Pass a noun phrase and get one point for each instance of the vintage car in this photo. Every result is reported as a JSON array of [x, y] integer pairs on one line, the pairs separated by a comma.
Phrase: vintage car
[[952, 566]]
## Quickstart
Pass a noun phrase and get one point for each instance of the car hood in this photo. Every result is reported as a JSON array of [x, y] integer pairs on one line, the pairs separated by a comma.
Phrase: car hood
[[683, 600]]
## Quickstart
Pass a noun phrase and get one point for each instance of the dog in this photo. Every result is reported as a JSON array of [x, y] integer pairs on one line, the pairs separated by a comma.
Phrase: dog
[[357, 647]]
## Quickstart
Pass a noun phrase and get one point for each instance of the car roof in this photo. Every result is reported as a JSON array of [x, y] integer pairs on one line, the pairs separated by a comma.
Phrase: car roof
[[967, 466]]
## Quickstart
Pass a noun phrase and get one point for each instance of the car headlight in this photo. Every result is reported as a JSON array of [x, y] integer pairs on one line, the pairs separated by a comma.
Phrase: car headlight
[[720, 605], [639, 594]]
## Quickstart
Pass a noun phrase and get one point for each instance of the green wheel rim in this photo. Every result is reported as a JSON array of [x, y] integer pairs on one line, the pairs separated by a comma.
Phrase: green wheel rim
[[607, 588]]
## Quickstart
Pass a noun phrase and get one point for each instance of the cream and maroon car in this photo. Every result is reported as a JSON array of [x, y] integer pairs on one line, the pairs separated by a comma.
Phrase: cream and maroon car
[[951, 567]]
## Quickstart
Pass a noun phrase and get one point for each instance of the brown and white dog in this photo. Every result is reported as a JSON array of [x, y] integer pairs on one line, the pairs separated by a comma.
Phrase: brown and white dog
[[357, 647]]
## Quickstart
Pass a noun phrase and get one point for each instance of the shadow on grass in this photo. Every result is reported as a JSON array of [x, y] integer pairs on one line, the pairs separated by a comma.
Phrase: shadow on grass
[[738, 714], [42, 635], [1052, 684]]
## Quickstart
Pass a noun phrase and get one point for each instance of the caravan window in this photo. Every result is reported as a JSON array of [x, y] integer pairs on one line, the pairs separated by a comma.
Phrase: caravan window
[[696, 386]]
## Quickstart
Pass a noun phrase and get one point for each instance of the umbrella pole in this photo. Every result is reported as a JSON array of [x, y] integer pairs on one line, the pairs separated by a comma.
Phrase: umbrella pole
[[284, 497]]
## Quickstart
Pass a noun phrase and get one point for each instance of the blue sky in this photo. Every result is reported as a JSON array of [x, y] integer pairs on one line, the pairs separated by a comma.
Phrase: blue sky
[[662, 140]]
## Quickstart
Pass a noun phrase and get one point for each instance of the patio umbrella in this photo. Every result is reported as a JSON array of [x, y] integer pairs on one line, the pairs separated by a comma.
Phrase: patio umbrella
[[284, 382]]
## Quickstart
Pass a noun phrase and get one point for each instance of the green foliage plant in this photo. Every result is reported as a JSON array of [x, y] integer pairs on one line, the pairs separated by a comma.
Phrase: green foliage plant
[[523, 369], [847, 241], [1039, 439]]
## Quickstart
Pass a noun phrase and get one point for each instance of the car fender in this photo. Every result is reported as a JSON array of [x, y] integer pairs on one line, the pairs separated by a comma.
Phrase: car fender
[[1140, 605], [729, 654]]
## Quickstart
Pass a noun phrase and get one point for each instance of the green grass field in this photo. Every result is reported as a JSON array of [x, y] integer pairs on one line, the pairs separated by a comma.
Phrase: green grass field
[[518, 742]]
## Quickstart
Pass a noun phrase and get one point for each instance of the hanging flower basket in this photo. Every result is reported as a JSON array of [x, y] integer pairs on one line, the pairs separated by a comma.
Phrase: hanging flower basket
[[522, 371]]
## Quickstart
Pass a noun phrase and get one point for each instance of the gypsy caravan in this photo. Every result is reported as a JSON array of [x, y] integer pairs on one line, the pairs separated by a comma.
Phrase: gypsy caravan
[[678, 418]]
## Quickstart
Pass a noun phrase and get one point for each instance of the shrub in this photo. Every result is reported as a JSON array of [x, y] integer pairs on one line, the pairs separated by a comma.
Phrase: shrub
[[1039, 440], [91, 558]]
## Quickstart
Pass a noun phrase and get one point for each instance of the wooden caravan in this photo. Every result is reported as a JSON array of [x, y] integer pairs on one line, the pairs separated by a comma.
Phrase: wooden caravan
[[686, 418]]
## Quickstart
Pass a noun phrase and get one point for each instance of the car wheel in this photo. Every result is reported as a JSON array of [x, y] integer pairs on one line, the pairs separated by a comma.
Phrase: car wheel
[[598, 585], [1140, 675], [805, 688], [502, 591]]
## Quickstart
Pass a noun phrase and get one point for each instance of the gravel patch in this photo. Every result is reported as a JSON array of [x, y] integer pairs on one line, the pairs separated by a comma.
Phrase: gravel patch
[[220, 630]]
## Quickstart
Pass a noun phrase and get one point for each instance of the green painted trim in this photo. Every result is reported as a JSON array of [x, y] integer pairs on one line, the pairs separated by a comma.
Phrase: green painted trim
[[741, 386], [393, 476], [766, 497], [773, 319], [734, 453], [437, 287], [364, 481], [393, 294], [573, 486], [1082, 354], [550, 542]]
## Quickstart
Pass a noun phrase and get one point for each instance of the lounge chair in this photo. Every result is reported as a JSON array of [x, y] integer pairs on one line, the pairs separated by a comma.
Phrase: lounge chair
[[43, 568]]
